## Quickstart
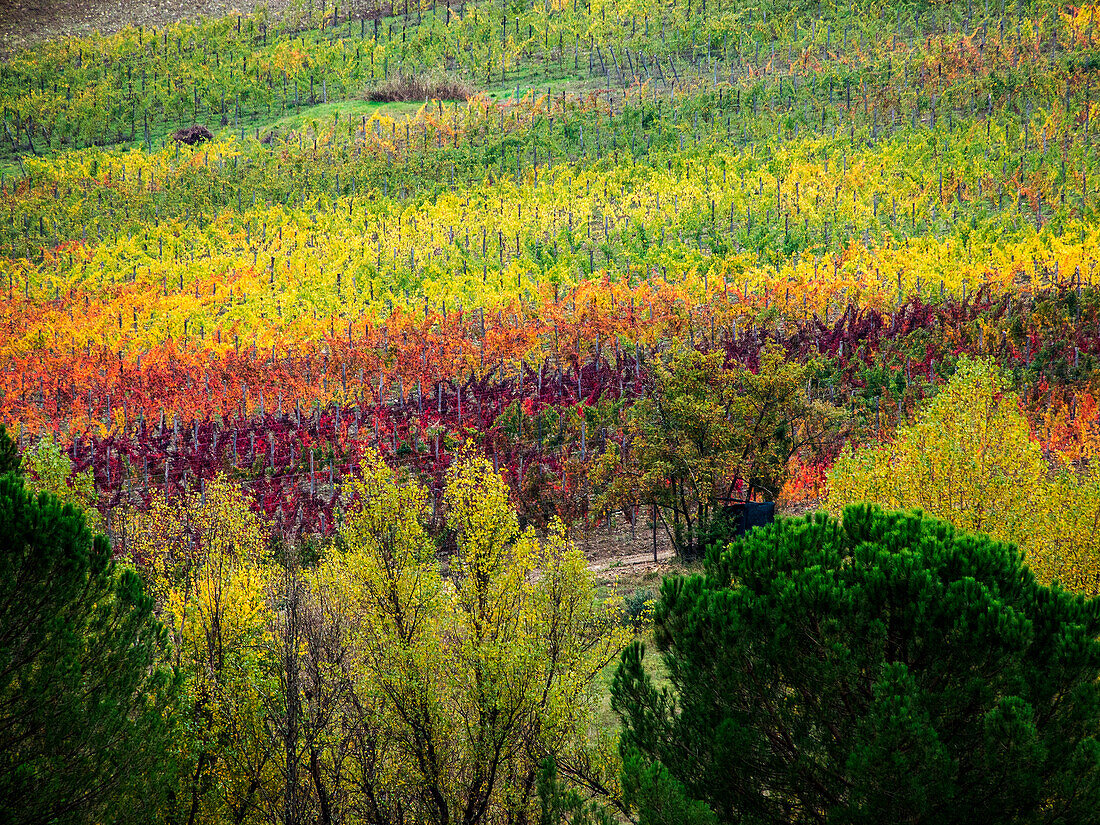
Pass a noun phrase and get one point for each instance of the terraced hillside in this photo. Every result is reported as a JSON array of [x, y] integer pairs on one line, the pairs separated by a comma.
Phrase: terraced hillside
[[883, 188]]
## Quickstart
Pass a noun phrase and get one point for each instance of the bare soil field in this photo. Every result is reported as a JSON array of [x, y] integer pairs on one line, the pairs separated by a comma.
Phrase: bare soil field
[[23, 22]]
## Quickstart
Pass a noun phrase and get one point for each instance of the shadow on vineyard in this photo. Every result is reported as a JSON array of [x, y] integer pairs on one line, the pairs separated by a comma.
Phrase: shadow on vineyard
[[545, 412]]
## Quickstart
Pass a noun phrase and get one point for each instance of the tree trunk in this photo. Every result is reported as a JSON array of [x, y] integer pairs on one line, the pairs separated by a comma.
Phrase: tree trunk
[[322, 794], [290, 734]]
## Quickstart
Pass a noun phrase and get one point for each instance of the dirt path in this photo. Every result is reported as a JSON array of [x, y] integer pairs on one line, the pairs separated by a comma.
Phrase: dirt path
[[623, 560], [631, 567]]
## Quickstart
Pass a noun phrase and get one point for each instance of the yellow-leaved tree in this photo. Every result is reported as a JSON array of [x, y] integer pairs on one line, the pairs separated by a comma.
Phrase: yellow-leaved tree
[[467, 676], [970, 459], [204, 556]]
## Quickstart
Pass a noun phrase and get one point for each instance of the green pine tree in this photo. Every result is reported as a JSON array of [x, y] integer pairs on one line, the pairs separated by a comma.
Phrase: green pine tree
[[85, 689], [886, 668], [9, 454]]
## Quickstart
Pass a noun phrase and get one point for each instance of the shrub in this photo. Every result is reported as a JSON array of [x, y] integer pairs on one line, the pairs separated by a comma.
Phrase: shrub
[[405, 88], [9, 454], [638, 607]]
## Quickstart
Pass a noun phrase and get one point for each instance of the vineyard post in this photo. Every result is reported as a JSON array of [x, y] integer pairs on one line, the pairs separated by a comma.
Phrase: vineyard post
[[653, 513]]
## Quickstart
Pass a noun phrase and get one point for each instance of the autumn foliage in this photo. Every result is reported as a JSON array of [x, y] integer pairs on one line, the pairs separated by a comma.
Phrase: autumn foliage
[[971, 459]]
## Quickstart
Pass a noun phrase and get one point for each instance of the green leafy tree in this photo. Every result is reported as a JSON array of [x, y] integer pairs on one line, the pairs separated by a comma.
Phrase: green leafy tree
[[204, 557], [703, 428], [85, 690], [883, 668], [969, 458], [49, 470]]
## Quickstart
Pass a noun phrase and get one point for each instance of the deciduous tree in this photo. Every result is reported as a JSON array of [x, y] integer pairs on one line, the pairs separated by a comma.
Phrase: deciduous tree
[[970, 458], [467, 678], [48, 469], [706, 430], [206, 556]]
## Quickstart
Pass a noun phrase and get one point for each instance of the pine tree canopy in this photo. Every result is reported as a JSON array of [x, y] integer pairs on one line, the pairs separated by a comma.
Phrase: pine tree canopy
[[884, 667], [85, 691]]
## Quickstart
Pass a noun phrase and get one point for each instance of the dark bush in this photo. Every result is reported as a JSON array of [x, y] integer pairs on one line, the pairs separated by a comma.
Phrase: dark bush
[[10, 462], [193, 134]]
